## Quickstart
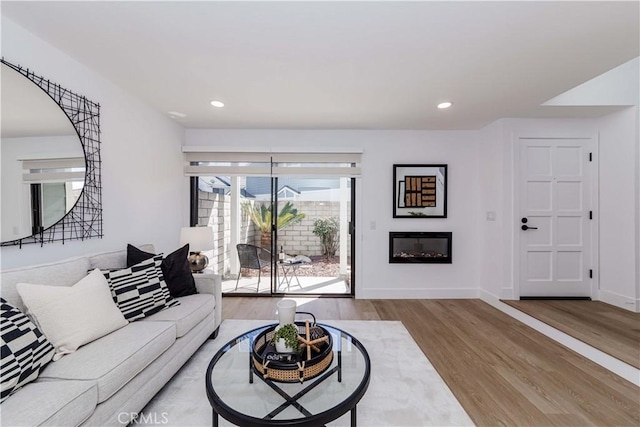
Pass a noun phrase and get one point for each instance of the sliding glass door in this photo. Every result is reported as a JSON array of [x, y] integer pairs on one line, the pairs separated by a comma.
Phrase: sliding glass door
[[285, 232]]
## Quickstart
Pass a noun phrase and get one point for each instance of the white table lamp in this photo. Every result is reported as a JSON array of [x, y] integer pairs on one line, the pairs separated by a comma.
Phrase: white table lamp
[[199, 239]]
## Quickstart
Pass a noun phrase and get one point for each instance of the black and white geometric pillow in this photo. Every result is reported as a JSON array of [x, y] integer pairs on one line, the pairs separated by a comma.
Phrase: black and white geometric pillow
[[25, 350], [140, 291]]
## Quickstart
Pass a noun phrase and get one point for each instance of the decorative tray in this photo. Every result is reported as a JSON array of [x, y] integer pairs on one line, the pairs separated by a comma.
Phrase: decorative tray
[[292, 367]]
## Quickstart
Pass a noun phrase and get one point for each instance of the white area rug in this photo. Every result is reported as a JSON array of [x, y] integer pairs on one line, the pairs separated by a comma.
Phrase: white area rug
[[405, 389]]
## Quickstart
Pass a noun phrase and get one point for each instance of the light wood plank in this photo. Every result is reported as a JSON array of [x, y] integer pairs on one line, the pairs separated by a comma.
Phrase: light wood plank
[[610, 329]]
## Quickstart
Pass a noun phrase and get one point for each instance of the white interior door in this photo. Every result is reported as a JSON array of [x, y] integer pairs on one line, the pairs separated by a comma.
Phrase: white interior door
[[555, 204]]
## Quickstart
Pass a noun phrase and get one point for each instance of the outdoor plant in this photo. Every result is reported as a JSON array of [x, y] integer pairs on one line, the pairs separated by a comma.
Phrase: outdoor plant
[[328, 229], [289, 333], [261, 217]]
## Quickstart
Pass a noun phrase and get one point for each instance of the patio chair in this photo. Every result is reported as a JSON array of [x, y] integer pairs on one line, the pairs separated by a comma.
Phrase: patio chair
[[252, 257]]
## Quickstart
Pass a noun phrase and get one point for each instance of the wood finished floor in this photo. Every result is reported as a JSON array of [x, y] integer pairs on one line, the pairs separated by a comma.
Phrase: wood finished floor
[[610, 329], [501, 371]]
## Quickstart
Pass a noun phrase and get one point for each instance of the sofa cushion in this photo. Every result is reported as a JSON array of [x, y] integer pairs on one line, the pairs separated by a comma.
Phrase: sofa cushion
[[62, 273], [190, 312], [175, 269], [71, 316], [51, 403], [113, 260], [115, 359], [25, 350], [140, 290]]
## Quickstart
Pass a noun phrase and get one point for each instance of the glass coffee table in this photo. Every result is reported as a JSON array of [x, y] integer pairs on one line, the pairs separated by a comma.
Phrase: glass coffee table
[[240, 394]]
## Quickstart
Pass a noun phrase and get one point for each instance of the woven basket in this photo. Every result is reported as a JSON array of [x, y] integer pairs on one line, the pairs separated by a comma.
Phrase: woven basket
[[298, 368]]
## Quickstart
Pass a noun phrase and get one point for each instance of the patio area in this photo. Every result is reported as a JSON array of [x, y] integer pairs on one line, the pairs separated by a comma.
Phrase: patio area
[[320, 276]]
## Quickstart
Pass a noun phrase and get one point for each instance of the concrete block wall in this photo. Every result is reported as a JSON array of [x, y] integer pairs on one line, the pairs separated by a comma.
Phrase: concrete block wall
[[298, 239], [214, 210]]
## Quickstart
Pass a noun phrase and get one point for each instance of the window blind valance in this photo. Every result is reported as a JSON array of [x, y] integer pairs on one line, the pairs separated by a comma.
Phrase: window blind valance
[[205, 161], [53, 170]]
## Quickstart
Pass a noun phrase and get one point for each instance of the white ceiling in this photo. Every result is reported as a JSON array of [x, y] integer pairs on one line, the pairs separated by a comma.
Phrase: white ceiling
[[342, 65]]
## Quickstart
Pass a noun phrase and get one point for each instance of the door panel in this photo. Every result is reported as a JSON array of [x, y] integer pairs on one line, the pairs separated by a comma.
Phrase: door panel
[[554, 201], [538, 196], [325, 269], [570, 230], [539, 264]]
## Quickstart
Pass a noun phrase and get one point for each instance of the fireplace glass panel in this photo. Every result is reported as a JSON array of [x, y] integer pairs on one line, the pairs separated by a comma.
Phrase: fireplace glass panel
[[420, 247]]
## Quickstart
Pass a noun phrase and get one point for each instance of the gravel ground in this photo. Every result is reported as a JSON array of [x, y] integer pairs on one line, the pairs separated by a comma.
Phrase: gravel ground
[[320, 266]]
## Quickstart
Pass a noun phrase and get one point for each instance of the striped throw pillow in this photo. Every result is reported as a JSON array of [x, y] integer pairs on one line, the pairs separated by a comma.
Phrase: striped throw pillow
[[140, 291], [25, 350]]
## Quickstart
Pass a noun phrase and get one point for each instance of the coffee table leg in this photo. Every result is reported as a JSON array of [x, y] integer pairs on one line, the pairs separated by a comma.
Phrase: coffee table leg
[[339, 366], [250, 370], [214, 422], [353, 416]]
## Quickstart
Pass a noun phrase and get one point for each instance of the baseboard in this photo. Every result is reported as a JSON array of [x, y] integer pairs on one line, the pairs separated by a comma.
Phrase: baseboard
[[618, 300], [489, 298], [395, 293], [555, 298], [507, 293]]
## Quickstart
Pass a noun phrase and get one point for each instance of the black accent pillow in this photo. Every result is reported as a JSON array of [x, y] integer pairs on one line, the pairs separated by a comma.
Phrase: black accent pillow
[[175, 269]]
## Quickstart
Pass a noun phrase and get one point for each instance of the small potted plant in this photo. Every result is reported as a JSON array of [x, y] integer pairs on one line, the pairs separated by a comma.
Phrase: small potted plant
[[285, 339]]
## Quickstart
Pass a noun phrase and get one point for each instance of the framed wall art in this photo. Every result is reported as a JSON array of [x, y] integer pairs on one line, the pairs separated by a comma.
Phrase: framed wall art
[[419, 191]]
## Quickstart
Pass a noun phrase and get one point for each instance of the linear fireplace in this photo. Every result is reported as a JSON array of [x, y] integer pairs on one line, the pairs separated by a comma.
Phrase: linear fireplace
[[420, 247]]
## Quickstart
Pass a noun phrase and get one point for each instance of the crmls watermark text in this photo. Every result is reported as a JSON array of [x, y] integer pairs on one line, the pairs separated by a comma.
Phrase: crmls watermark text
[[152, 418]]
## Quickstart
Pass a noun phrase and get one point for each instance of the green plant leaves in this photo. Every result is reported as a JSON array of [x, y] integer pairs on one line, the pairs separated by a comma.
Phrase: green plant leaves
[[328, 229], [261, 216], [289, 333]]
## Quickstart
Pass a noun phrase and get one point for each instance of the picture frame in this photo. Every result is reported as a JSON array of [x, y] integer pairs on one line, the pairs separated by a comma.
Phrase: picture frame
[[420, 191]]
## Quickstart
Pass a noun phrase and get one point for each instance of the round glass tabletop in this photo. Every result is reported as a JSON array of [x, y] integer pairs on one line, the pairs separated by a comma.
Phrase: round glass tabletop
[[241, 395]]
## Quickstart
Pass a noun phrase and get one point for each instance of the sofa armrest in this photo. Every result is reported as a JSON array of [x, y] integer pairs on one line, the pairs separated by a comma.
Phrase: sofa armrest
[[210, 283]]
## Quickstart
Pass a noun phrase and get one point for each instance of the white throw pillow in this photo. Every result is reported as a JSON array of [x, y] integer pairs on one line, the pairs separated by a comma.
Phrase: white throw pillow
[[70, 316]]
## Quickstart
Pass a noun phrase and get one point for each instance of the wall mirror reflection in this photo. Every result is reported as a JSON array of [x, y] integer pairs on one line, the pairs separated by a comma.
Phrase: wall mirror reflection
[[42, 158]]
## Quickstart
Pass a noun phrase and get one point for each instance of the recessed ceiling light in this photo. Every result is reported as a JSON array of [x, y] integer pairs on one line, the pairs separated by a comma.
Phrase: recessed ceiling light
[[176, 115], [218, 104], [445, 104]]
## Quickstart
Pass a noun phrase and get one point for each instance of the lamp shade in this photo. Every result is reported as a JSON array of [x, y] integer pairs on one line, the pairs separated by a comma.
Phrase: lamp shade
[[198, 238]]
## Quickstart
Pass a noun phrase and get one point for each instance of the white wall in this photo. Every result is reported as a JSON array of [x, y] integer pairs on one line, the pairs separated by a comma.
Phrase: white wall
[[375, 277], [491, 220], [619, 253], [144, 189]]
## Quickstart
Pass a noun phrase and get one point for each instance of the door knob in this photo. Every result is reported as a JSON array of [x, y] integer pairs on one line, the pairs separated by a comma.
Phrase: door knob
[[525, 227]]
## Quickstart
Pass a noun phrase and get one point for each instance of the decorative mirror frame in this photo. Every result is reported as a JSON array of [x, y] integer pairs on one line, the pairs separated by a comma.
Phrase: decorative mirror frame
[[84, 220]]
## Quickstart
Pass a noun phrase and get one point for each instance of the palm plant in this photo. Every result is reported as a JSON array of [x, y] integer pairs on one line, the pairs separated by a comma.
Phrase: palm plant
[[261, 216]]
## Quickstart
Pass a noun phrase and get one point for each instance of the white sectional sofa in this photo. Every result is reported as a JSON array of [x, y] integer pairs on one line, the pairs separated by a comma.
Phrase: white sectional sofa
[[108, 380]]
